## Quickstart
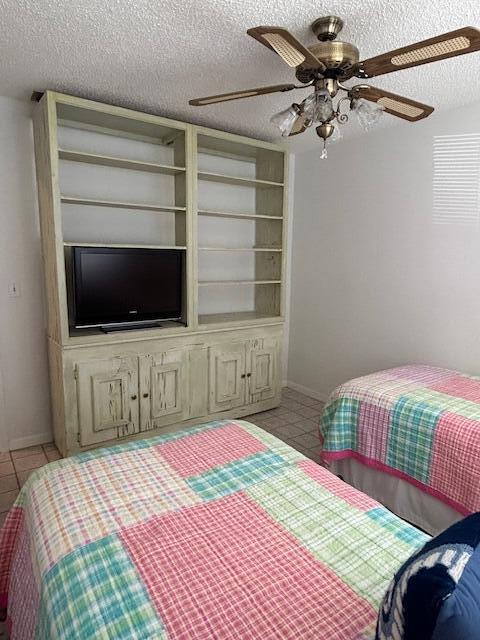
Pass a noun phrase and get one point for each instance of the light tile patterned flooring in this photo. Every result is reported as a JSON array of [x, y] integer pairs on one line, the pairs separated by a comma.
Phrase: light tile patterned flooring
[[16, 466], [295, 421]]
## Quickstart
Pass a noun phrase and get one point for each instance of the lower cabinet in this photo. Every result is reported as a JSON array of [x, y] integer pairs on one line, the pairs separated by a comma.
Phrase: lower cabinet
[[124, 395], [243, 373]]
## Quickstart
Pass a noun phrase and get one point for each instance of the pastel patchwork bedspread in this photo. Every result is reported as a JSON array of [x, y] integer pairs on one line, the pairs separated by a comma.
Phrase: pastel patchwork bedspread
[[219, 531], [416, 422]]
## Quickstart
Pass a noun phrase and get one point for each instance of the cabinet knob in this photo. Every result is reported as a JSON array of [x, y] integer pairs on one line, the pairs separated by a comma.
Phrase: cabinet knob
[[134, 397], [243, 375], [145, 395], [248, 375]]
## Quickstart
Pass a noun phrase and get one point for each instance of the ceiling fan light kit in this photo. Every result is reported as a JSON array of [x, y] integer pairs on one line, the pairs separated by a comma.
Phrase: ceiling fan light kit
[[328, 64]]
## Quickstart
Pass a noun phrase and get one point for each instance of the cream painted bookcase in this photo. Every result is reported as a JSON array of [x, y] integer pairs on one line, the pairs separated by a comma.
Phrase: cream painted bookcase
[[108, 176]]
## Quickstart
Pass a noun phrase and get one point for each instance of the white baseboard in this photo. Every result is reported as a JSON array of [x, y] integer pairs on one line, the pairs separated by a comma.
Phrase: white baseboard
[[318, 395], [30, 441]]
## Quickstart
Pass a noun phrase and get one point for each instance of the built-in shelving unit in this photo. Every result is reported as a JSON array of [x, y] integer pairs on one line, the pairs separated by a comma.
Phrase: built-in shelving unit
[[134, 180], [112, 177]]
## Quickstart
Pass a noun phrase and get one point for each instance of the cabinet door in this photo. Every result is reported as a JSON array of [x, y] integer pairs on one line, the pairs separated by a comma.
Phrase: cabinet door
[[227, 376], [108, 405], [263, 375], [163, 388]]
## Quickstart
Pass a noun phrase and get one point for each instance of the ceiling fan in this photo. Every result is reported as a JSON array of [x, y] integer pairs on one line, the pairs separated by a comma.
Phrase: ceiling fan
[[325, 66]]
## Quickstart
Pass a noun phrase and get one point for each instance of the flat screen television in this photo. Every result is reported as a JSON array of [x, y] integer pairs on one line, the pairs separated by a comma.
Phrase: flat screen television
[[123, 286]]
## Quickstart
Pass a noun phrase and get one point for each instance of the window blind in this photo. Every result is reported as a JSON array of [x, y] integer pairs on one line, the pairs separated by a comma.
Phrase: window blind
[[456, 179]]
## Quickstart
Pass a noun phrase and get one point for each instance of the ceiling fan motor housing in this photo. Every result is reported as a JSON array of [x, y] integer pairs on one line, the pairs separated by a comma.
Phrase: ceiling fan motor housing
[[340, 58]]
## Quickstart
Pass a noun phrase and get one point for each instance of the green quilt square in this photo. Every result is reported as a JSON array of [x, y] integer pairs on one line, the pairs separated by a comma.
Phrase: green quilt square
[[96, 592], [339, 423], [410, 442]]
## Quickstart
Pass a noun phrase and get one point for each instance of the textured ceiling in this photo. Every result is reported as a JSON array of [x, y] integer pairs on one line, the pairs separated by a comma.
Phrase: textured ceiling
[[156, 54]]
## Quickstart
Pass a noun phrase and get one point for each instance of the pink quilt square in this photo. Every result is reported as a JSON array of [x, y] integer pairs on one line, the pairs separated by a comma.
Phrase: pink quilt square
[[23, 591], [373, 426], [336, 486], [456, 459], [460, 387], [198, 453], [225, 569], [13, 524]]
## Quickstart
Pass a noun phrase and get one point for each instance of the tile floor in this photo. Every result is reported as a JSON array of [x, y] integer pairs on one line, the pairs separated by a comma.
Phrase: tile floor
[[295, 421], [16, 466]]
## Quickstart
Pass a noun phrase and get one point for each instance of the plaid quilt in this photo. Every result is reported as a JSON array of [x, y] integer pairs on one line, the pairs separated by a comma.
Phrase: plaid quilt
[[219, 531], [416, 422]]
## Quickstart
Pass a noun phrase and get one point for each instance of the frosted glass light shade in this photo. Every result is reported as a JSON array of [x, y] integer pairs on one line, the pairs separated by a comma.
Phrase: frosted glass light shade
[[368, 114], [285, 120]]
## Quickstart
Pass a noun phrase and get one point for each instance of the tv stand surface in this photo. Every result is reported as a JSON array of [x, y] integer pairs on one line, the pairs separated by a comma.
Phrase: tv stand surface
[[142, 325]]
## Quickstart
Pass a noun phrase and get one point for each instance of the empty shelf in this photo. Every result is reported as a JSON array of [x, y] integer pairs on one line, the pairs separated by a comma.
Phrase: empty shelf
[[120, 205], [246, 182], [123, 163], [235, 316], [208, 283], [231, 214], [266, 249]]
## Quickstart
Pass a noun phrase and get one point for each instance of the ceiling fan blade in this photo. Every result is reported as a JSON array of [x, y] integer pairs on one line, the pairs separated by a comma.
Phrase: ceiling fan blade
[[455, 43], [286, 46], [392, 103], [237, 95]]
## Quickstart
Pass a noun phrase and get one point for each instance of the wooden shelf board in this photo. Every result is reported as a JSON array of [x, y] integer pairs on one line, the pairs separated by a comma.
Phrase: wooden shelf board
[[208, 283], [231, 214], [122, 163], [246, 182], [264, 249], [109, 245], [120, 205], [236, 316]]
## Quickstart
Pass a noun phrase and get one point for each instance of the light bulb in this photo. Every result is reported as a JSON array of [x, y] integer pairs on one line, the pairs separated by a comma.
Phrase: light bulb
[[368, 114], [318, 107], [285, 120]]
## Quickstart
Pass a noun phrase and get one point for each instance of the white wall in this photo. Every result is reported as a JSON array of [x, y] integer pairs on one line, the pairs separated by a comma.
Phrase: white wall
[[375, 283], [25, 415]]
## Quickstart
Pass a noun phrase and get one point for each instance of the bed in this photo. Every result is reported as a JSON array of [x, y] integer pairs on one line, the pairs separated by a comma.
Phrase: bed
[[410, 437], [218, 531]]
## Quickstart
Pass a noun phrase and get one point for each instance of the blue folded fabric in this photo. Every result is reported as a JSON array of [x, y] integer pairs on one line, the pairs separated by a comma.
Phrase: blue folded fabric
[[435, 595]]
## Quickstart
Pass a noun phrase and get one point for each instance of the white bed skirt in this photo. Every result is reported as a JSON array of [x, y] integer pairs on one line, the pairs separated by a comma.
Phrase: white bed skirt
[[408, 502]]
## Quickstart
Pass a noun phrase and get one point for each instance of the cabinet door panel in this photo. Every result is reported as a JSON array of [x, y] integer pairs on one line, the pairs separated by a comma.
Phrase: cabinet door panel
[[108, 404], [263, 370], [166, 389], [163, 388], [227, 377]]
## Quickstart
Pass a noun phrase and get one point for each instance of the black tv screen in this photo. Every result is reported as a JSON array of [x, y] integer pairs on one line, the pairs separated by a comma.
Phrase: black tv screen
[[116, 286]]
